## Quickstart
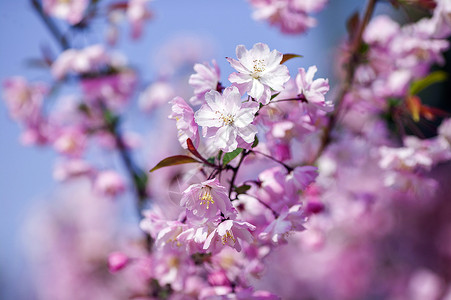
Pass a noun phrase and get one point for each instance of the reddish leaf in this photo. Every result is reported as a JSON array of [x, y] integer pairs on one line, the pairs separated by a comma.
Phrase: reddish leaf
[[289, 56], [352, 24], [193, 149], [414, 106], [174, 160], [118, 6]]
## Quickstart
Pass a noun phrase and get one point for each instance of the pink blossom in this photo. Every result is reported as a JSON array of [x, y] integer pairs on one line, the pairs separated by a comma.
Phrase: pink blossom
[[381, 30], [117, 261], [137, 14], [109, 183], [206, 199], [302, 177], [204, 80], [155, 95], [313, 90], [229, 232], [71, 141], [194, 237], [169, 235], [70, 10], [89, 59], [444, 129], [113, 90], [24, 100], [72, 168], [226, 120], [288, 220], [186, 126], [292, 16], [259, 71]]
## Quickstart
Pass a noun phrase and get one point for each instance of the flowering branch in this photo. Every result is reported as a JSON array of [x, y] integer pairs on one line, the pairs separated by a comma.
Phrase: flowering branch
[[59, 37], [137, 175], [351, 66]]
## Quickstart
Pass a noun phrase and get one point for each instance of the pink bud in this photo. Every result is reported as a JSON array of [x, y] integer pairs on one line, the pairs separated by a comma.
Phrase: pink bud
[[218, 278], [117, 261]]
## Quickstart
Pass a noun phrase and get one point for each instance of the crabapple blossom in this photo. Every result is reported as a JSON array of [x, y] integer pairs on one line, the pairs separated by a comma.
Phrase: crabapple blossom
[[109, 183], [186, 126], [292, 16], [227, 120], [90, 59], [302, 177], [206, 199], [137, 14], [259, 71], [289, 220], [72, 10], [229, 233], [213, 219], [71, 141], [24, 100], [313, 90], [204, 80]]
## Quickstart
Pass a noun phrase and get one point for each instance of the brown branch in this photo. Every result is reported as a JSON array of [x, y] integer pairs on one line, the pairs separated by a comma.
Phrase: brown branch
[[351, 66]]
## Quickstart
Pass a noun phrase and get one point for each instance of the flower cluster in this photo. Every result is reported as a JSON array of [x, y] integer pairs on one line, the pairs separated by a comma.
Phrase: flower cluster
[[291, 16]]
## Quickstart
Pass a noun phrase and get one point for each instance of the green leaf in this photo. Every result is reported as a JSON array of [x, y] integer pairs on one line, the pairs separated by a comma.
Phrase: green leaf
[[231, 155], [255, 143], [434, 77], [274, 96], [289, 56], [242, 189], [174, 160]]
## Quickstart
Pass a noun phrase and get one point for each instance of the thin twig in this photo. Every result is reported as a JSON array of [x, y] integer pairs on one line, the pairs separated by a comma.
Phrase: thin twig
[[351, 67], [59, 37]]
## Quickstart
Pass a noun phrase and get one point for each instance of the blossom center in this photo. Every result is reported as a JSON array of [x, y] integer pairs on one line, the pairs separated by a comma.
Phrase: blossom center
[[228, 235], [227, 119], [259, 66], [205, 196]]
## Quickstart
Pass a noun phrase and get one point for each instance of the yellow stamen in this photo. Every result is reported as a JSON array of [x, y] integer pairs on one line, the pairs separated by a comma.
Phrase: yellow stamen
[[259, 65], [228, 235], [226, 119], [205, 196]]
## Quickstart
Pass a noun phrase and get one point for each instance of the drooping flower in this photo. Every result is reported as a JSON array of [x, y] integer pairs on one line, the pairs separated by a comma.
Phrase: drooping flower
[[186, 127], [206, 199], [289, 220], [229, 232], [227, 120], [205, 80], [313, 90], [259, 71]]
